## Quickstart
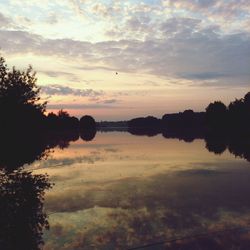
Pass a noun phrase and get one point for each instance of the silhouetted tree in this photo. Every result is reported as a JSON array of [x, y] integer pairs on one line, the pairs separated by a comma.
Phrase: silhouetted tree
[[19, 97], [187, 121], [73, 122], [62, 121], [145, 122], [87, 122], [247, 99], [62, 114], [149, 126], [237, 114], [216, 115], [247, 107], [52, 121]]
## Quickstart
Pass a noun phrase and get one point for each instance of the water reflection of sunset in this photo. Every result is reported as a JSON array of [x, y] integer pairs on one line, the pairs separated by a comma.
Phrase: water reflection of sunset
[[110, 184]]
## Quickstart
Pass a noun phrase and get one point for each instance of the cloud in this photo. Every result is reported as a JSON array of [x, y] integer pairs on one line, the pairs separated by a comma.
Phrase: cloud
[[175, 25], [203, 75], [109, 101], [101, 9], [68, 162], [70, 76], [194, 52], [78, 9], [5, 22], [19, 41], [232, 7], [82, 106], [96, 68], [56, 89], [23, 21], [52, 18]]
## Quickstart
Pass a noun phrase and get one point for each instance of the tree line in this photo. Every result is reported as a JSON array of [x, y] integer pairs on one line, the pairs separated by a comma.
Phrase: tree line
[[22, 108], [217, 118]]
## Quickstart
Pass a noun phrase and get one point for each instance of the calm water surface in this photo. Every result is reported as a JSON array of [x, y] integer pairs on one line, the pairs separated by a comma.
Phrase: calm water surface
[[121, 191]]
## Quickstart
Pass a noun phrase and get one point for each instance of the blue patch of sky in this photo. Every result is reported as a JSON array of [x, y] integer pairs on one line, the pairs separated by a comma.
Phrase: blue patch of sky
[[34, 12], [152, 2]]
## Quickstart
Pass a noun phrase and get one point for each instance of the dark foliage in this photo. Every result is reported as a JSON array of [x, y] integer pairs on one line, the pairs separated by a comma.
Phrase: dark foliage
[[144, 131], [88, 134], [240, 146], [21, 108], [239, 114], [187, 135], [216, 143], [216, 116], [20, 105], [145, 122], [62, 121], [234, 119], [18, 149], [186, 125], [149, 126], [187, 120], [87, 122], [22, 217]]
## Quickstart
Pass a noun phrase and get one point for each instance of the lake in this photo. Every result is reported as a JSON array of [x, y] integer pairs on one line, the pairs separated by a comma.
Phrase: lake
[[121, 191]]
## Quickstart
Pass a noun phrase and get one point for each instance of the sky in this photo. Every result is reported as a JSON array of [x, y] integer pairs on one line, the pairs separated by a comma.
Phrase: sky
[[169, 55]]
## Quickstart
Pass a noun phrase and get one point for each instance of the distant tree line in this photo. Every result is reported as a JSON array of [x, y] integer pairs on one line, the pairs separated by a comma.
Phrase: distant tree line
[[21, 108], [110, 126], [218, 118]]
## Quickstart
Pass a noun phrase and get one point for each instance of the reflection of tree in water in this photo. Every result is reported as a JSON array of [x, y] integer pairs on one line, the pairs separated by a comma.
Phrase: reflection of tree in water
[[88, 134], [17, 150], [22, 217], [187, 135], [237, 145], [216, 144], [21, 204], [150, 132], [21, 193], [240, 147]]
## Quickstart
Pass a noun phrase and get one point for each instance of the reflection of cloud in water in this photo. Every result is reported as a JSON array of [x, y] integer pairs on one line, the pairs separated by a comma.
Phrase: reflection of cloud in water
[[142, 190], [199, 182], [201, 172], [107, 228], [67, 162], [112, 150], [137, 210]]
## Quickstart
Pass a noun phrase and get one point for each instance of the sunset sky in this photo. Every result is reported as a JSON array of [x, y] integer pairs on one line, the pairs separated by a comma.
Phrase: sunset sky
[[170, 55]]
